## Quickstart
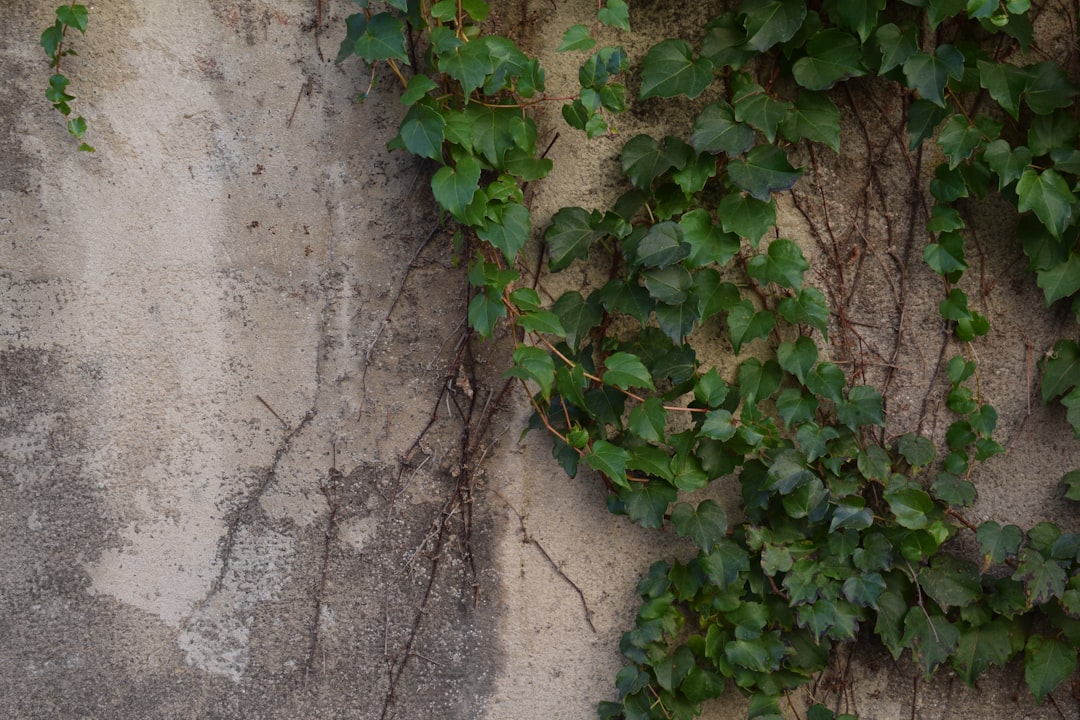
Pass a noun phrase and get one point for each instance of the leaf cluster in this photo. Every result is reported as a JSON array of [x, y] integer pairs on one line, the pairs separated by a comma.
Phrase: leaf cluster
[[844, 530]]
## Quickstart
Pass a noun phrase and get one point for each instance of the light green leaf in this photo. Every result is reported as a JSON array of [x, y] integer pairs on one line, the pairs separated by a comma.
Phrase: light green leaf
[[484, 311], [533, 363], [669, 69], [610, 460], [454, 187], [624, 370], [576, 37], [615, 13], [542, 321], [783, 263]]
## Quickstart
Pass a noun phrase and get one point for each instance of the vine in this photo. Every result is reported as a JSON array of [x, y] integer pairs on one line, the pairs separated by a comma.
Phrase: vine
[[68, 16], [843, 528]]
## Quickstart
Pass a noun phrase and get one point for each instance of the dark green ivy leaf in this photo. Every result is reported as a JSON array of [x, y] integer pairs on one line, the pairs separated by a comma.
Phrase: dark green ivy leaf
[[716, 131], [1005, 82], [1049, 197], [705, 525], [1048, 662], [648, 503], [783, 263], [1043, 578], [746, 323], [624, 370], [1061, 369], [859, 16], [644, 159], [533, 363], [570, 235], [1062, 280], [765, 169], [1008, 163], [771, 22], [755, 106], [951, 582], [982, 646], [1048, 88], [610, 460], [508, 231], [930, 636], [381, 38], [929, 74], [669, 69], [454, 187], [998, 542], [746, 216], [832, 55], [815, 117], [897, 44]]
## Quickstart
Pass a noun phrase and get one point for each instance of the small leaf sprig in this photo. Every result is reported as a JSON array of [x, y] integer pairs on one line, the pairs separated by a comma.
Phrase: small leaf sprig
[[75, 16]]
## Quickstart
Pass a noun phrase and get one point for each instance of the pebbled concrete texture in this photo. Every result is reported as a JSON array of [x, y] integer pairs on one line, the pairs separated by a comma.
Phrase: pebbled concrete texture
[[250, 468]]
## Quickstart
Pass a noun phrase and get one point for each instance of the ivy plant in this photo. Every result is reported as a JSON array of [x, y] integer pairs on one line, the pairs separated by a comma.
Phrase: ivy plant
[[68, 16], [842, 530]]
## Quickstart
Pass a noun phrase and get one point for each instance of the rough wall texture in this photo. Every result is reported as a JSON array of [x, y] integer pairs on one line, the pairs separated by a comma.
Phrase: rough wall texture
[[247, 463]]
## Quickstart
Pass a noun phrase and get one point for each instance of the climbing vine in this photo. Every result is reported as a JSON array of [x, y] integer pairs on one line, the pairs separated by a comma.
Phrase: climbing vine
[[841, 528], [68, 16]]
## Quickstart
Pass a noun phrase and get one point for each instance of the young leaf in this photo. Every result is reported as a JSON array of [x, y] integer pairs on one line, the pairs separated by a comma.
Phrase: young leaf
[[615, 13], [484, 311], [765, 169], [532, 363], [576, 37], [74, 15], [669, 69]]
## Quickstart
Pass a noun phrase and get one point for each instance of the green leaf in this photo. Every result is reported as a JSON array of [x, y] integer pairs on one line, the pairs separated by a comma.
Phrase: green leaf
[[1048, 88], [831, 56], [897, 44], [755, 106], [724, 563], [917, 450], [794, 406], [532, 363], [705, 525], [787, 472], [716, 131], [929, 74], [74, 15], [1061, 369], [946, 256], [1048, 196], [576, 37], [1072, 407], [765, 169], [707, 240], [725, 42], [862, 407], [669, 69], [610, 460], [951, 582], [662, 245], [798, 357], [771, 22], [958, 138], [673, 669], [782, 264], [931, 637], [577, 316], [710, 389], [669, 285], [54, 35], [647, 503], [953, 491], [815, 117], [1072, 481], [982, 646], [454, 187], [940, 10], [1008, 163], [718, 425], [484, 312], [469, 64], [569, 237], [1043, 579], [808, 307], [648, 420], [910, 506], [746, 216], [758, 381], [1047, 133], [996, 543], [542, 321], [508, 231], [624, 370], [747, 324], [651, 461], [382, 38], [1005, 82], [615, 13], [923, 117], [644, 159], [859, 16], [1062, 280], [1048, 662]]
